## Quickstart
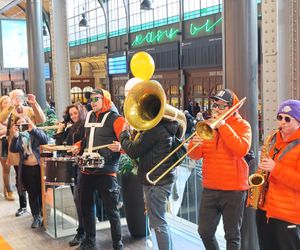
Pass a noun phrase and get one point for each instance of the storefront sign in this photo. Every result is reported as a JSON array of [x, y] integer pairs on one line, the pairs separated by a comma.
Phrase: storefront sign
[[208, 26], [170, 34], [215, 73], [155, 37]]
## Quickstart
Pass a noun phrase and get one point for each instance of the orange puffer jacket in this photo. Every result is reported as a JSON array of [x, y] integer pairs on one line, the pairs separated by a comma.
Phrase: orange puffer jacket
[[224, 167], [283, 196]]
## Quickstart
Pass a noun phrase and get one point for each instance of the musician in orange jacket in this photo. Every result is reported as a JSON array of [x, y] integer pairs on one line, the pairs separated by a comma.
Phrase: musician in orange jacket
[[225, 173], [278, 222]]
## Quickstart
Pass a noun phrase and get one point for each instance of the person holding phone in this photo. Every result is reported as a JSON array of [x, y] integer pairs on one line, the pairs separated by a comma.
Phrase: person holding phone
[[16, 109], [26, 141]]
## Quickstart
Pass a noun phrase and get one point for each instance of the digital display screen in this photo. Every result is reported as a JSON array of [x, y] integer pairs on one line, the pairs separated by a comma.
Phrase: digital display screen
[[117, 65], [14, 44], [47, 71]]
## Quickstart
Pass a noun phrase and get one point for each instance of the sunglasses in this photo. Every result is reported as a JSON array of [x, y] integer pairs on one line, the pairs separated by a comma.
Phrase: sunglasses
[[219, 106], [95, 99], [286, 118]]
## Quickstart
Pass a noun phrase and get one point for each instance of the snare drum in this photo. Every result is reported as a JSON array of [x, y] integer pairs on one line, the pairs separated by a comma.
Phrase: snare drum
[[60, 171], [91, 161]]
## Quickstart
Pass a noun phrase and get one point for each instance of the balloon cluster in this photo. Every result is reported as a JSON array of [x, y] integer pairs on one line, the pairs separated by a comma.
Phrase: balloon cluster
[[142, 67]]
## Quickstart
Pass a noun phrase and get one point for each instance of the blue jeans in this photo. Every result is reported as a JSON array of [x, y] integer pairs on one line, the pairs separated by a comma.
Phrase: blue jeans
[[229, 205], [156, 198]]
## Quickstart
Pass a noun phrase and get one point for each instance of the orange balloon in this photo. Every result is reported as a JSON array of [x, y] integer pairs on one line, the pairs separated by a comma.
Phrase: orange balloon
[[142, 65]]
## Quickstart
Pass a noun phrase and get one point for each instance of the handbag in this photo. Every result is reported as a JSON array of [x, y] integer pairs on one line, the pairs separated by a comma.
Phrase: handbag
[[12, 158], [4, 147]]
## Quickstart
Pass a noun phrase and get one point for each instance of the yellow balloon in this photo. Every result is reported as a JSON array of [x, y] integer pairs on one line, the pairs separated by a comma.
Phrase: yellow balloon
[[142, 65]]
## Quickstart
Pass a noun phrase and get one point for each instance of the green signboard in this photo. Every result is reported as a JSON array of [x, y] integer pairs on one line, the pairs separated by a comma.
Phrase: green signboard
[[170, 34]]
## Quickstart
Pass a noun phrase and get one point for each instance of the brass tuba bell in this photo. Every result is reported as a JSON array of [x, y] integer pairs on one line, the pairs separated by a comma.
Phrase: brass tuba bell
[[145, 106]]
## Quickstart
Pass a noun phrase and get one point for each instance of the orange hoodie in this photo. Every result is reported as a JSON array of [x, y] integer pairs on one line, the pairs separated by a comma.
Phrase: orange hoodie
[[118, 123], [283, 195], [107, 105], [224, 167]]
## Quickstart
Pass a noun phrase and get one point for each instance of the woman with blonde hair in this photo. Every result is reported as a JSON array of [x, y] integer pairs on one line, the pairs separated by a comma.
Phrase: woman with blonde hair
[[8, 193]]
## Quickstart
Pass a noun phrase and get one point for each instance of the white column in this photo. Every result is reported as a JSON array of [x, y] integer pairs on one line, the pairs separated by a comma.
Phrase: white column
[[37, 85], [60, 54]]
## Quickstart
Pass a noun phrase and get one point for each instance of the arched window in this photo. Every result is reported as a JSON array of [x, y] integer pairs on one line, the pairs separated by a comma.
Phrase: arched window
[[76, 95], [86, 89]]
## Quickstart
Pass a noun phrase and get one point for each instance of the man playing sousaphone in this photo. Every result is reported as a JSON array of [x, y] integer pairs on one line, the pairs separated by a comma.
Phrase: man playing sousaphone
[[18, 109], [225, 173]]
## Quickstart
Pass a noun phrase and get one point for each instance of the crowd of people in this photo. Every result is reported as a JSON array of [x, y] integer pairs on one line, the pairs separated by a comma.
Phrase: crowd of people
[[100, 134]]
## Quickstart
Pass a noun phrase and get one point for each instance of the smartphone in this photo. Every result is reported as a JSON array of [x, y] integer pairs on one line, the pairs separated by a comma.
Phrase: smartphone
[[25, 98], [23, 127]]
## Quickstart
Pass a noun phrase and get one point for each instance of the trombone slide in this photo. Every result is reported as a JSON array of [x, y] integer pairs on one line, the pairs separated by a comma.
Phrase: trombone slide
[[154, 182], [54, 127], [204, 130]]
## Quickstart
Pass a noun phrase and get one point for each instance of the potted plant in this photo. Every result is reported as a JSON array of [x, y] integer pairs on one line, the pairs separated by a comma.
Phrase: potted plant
[[132, 191], [51, 119]]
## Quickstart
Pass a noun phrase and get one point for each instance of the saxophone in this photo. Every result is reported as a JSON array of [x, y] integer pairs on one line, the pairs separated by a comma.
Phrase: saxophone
[[258, 182]]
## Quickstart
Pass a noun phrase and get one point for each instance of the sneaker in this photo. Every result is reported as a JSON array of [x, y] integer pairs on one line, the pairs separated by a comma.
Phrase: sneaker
[[118, 245], [10, 196], [37, 221], [21, 211], [86, 245], [78, 238]]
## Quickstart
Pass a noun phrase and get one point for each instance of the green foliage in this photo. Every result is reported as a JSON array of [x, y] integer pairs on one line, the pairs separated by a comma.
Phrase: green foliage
[[51, 119], [127, 165]]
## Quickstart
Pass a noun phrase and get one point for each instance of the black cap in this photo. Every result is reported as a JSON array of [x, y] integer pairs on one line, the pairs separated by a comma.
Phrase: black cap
[[224, 95]]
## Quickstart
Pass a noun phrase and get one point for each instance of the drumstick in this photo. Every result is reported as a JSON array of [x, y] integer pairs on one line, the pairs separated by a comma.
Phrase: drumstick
[[98, 147]]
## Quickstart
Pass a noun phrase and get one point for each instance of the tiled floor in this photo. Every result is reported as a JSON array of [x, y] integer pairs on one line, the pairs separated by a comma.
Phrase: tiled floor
[[17, 232]]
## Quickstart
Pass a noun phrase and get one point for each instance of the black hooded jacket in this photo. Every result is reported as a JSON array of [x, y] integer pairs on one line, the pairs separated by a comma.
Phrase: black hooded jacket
[[150, 148]]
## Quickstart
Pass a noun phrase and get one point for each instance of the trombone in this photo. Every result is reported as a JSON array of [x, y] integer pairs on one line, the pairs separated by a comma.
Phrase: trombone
[[53, 127], [203, 130]]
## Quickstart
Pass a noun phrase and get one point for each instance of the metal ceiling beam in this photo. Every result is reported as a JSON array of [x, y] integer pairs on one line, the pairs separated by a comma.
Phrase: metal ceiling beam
[[20, 7], [10, 5]]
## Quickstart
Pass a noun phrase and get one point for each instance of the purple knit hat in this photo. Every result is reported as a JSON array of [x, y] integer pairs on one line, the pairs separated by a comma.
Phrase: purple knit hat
[[290, 107]]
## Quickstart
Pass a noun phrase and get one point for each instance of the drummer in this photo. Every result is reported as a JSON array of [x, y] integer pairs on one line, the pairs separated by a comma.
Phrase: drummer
[[68, 135], [103, 126], [26, 141]]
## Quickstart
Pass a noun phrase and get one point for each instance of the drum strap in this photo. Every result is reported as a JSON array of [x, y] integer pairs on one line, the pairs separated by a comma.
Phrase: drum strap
[[93, 126]]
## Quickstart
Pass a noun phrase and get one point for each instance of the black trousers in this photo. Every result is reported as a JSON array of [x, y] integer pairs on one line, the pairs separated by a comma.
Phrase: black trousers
[[229, 205], [76, 196], [109, 191], [21, 194], [31, 177], [276, 234]]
